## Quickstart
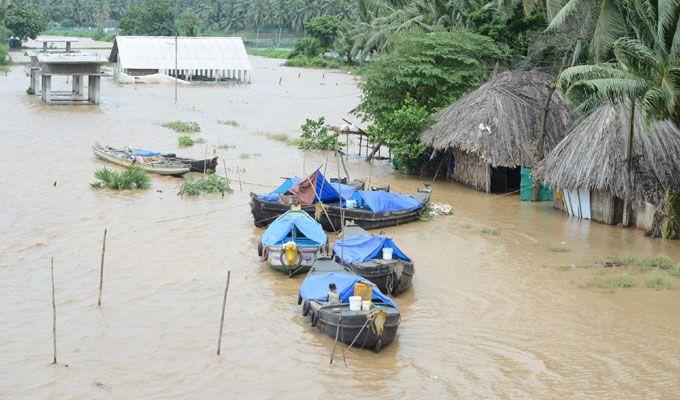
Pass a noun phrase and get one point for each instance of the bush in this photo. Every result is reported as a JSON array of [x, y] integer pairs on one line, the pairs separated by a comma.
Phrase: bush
[[30, 91], [182, 126], [185, 141], [4, 58], [212, 183], [270, 53], [316, 136], [133, 178], [309, 47], [314, 62]]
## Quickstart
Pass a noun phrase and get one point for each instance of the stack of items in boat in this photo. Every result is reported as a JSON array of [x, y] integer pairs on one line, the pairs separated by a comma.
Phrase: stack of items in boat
[[153, 161], [347, 307], [292, 242], [332, 203]]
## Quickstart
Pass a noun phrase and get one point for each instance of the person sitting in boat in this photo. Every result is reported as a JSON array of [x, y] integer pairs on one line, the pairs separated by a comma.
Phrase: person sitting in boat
[[333, 297]]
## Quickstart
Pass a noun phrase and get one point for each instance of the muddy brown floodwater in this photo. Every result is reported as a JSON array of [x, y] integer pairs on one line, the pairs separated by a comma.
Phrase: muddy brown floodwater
[[489, 316]]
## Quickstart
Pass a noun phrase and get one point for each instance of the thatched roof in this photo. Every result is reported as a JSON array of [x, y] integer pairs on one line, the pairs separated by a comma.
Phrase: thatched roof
[[502, 120], [593, 156]]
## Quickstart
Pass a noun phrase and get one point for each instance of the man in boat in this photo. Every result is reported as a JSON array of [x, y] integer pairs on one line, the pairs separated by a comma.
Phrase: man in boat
[[333, 296]]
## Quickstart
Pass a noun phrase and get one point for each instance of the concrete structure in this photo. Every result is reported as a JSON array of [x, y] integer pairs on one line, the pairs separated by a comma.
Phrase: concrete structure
[[76, 65], [197, 58], [48, 45]]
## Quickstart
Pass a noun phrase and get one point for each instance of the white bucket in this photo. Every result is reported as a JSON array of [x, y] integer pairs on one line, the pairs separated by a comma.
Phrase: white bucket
[[351, 204], [387, 253], [366, 305], [355, 303]]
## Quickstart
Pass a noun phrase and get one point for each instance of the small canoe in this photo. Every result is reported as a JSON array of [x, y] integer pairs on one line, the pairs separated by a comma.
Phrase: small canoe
[[292, 243], [362, 252], [374, 328], [155, 164]]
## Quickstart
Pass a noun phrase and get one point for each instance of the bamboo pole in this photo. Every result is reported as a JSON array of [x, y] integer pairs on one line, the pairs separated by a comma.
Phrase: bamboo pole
[[224, 306], [54, 315], [101, 271]]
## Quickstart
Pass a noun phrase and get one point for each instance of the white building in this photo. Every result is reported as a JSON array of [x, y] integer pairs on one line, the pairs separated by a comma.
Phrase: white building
[[196, 58]]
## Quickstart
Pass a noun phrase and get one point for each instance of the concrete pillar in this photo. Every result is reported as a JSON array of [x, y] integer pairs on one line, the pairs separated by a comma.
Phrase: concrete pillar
[[47, 88], [77, 85], [239, 75], [94, 89], [35, 75], [44, 47], [68, 47]]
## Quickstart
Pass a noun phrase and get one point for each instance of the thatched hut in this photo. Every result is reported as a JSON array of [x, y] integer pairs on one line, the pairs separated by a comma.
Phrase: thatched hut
[[590, 166], [494, 131]]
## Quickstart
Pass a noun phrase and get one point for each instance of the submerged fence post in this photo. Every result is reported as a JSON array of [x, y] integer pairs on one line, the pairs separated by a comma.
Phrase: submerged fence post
[[224, 306], [101, 271], [54, 315]]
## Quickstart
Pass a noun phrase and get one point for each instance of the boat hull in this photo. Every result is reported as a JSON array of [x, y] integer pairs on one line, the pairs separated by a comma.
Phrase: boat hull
[[271, 255], [265, 212], [102, 154], [391, 278], [348, 326]]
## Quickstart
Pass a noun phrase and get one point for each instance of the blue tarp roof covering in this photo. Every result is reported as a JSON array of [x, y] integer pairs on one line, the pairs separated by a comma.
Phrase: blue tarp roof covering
[[145, 153], [284, 225], [357, 249], [315, 187], [315, 287], [283, 189], [379, 201]]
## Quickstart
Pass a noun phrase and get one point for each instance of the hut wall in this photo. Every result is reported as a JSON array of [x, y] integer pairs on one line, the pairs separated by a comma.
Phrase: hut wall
[[602, 206], [644, 216], [471, 170]]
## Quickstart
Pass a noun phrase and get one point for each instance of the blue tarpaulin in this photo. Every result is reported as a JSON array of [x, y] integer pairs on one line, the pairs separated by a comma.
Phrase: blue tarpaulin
[[284, 225], [283, 189], [145, 153], [314, 188], [357, 249], [315, 287], [379, 201]]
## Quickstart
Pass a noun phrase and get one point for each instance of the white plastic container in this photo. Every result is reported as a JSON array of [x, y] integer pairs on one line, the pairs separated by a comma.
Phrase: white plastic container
[[351, 204], [387, 253], [355, 303], [366, 305]]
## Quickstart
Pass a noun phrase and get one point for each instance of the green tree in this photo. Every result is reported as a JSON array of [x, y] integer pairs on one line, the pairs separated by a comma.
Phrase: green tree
[[323, 28], [189, 23], [422, 73], [25, 22], [154, 18]]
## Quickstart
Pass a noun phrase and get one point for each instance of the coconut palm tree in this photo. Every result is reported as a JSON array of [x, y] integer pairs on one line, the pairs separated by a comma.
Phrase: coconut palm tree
[[646, 71]]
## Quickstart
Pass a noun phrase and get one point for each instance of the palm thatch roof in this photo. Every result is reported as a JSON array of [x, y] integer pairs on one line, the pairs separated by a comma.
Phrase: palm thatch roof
[[502, 120], [593, 156]]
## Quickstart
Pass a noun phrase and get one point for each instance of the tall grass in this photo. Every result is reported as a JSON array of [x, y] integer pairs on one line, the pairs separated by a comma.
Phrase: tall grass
[[133, 178], [182, 126]]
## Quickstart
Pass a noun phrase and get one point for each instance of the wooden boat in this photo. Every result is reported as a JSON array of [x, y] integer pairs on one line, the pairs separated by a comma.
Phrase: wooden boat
[[292, 243], [364, 257], [373, 329], [155, 165], [208, 165]]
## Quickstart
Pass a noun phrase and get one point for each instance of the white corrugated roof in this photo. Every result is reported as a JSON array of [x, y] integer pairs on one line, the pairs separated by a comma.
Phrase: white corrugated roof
[[158, 52]]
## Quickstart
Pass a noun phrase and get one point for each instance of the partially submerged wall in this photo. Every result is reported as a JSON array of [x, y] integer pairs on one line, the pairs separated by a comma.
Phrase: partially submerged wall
[[471, 170]]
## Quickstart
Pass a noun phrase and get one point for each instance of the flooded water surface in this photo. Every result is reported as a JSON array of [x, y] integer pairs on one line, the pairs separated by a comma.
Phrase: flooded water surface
[[490, 315]]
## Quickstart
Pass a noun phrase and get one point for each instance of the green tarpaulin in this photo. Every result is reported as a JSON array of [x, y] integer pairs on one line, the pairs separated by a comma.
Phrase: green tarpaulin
[[527, 188]]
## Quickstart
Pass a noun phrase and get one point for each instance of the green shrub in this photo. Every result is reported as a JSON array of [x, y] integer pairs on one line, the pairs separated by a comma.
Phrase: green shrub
[[185, 141], [316, 136], [314, 62], [658, 280], [182, 126], [211, 183], [4, 58], [30, 91], [133, 178], [611, 283]]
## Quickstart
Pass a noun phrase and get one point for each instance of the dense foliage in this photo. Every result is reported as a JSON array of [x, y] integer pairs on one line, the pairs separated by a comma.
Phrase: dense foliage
[[133, 178], [24, 22], [154, 18], [210, 183], [316, 136]]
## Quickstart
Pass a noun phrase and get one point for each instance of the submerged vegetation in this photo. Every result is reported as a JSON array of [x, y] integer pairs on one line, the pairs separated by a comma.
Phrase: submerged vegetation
[[229, 122], [182, 126], [133, 178], [210, 183], [282, 137], [185, 141]]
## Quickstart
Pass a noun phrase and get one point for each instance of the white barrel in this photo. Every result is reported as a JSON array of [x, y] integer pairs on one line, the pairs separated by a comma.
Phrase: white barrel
[[355, 303], [387, 253], [366, 305]]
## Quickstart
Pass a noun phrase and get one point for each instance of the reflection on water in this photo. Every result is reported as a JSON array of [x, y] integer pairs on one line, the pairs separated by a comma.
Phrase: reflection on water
[[488, 315]]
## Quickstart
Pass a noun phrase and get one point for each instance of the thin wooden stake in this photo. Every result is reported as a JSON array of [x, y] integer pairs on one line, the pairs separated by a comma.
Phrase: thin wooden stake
[[238, 175], [54, 315], [101, 271], [224, 306]]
